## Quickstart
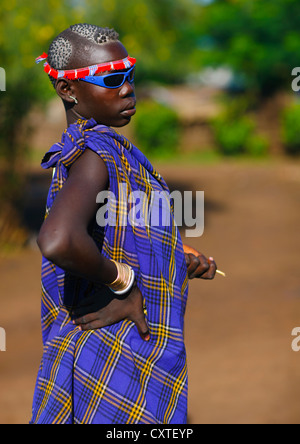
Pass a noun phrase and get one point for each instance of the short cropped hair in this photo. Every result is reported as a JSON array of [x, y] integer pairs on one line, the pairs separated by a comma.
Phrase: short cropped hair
[[61, 49]]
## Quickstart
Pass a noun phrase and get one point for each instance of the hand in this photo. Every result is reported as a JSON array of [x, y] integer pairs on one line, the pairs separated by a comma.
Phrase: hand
[[117, 310], [198, 265]]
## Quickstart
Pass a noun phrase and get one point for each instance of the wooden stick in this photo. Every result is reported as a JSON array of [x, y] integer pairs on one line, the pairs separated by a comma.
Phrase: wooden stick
[[221, 273]]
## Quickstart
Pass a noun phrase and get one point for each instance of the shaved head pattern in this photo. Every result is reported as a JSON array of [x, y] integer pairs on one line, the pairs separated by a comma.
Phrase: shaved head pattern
[[64, 45]]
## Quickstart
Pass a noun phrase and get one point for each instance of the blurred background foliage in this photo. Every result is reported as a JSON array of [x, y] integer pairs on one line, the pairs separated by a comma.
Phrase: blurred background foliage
[[256, 41], [25, 30], [291, 128], [157, 129]]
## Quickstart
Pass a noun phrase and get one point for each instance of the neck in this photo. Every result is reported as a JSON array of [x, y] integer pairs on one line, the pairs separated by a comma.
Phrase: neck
[[72, 116]]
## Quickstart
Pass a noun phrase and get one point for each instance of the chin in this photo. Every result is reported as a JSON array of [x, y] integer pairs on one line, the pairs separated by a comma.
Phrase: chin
[[121, 124], [114, 123]]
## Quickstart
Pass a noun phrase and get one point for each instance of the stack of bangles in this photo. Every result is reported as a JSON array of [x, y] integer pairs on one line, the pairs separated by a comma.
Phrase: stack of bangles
[[125, 279]]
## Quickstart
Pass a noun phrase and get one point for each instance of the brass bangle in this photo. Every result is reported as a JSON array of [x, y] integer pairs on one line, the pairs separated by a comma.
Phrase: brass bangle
[[128, 286], [118, 279], [124, 277]]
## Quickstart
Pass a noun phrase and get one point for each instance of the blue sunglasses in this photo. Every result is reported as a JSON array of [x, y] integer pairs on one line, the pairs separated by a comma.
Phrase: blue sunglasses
[[111, 81]]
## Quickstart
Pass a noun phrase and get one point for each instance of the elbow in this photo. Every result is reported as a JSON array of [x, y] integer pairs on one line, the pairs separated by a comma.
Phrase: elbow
[[54, 246]]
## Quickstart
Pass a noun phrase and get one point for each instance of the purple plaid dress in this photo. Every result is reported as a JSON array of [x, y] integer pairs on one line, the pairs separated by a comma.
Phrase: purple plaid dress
[[110, 375]]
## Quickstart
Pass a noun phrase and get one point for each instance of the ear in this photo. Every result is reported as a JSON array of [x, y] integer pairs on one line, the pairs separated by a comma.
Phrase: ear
[[64, 89]]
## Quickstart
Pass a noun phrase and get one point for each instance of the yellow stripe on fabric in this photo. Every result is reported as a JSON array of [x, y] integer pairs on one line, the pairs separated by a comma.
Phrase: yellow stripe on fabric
[[74, 157], [147, 369], [51, 382], [99, 389], [65, 411], [47, 301], [84, 335], [156, 374], [112, 398], [172, 263], [124, 257], [60, 396], [177, 389], [122, 207]]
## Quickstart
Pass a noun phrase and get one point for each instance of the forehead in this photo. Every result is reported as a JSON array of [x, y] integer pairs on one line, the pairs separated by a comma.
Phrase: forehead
[[94, 54]]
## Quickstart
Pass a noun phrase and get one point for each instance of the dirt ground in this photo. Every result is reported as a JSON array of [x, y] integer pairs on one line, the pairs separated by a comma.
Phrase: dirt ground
[[242, 369]]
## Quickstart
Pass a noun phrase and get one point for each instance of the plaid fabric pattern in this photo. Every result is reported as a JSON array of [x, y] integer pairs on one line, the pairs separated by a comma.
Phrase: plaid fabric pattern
[[110, 375]]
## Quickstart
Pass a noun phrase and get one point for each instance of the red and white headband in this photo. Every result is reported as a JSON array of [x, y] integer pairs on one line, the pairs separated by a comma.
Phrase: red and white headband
[[79, 73]]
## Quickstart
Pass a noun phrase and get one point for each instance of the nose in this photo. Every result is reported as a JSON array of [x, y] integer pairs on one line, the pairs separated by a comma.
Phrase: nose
[[127, 89]]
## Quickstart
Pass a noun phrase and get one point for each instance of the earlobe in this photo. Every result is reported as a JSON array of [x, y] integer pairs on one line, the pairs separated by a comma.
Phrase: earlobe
[[74, 99], [64, 90]]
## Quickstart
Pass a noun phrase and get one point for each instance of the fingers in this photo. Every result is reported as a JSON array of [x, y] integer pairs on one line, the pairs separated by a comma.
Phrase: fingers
[[187, 259], [137, 314], [130, 308], [82, 310], [92, 321], [212, 269], [142, 326], [201, 267], [198, 266]]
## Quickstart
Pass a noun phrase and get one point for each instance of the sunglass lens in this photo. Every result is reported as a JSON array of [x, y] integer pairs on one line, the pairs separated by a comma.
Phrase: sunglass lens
[[114, 80]]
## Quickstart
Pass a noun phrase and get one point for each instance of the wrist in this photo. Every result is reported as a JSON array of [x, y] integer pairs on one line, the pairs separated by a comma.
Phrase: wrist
[[125, 279]]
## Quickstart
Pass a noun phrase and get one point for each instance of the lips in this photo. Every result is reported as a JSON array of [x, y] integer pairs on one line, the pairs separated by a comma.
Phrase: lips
[[130, 105], [129, 110]]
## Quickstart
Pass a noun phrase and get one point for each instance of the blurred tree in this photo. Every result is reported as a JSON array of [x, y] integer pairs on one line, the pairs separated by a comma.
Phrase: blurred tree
[[25, 33], [156, 32], [258, 38]]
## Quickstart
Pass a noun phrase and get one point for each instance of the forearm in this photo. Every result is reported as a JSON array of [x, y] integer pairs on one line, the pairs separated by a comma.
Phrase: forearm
[[78, 254], [187, 249]]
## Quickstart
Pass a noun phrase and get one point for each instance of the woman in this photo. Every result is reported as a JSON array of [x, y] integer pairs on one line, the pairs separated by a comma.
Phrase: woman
[[114, 296]]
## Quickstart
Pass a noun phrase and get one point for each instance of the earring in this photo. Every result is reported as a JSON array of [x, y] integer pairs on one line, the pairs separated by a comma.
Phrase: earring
[[75, 100]]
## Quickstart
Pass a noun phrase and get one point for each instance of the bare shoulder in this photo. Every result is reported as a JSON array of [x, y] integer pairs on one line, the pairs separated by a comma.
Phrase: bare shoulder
[[75, 205], [89, 168]]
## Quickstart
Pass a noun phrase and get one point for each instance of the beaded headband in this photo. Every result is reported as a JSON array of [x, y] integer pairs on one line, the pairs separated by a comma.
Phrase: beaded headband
[[79, 73]]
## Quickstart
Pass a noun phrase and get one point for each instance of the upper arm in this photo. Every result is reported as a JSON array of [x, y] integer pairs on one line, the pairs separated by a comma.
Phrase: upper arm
[[75, 204]]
